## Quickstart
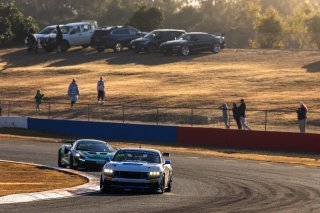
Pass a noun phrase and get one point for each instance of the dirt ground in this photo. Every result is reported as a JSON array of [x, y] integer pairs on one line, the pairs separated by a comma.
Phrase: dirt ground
[[267, 79], [19, 178]]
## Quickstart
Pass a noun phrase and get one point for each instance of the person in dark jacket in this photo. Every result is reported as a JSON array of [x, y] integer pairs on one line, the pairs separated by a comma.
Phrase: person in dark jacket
[[101, 91], [236, 115], [302, 117], [32, 43], [59, 39], [0, 109], [38, 97], [242, 113]]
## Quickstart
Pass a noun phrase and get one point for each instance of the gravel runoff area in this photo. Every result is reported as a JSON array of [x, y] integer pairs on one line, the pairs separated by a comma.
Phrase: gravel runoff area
[[306, 159]]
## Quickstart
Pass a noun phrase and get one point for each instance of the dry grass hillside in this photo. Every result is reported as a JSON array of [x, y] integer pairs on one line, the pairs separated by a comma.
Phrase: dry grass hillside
[[267, 79]]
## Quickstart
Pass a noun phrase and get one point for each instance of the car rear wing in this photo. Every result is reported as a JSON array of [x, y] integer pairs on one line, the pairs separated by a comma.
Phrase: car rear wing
[[68, 141]]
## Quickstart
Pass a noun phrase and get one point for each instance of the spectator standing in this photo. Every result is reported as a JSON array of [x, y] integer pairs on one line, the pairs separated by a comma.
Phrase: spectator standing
[[101, 91], [225, 116], [38, 97], [236, 115], [73, 92], [0, 109], [242, 113], [302, 117], [32, 43], [59, 39]]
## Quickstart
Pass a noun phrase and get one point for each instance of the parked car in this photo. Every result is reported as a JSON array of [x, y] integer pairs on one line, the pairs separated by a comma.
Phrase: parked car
[[85, 153], [192, 42], [74, 34], [42, 33], [151, 42], [115, 37], [134, 168]]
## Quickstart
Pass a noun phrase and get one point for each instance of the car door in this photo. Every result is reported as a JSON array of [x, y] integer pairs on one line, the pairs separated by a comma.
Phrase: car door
[[87, 32], [75, 36]]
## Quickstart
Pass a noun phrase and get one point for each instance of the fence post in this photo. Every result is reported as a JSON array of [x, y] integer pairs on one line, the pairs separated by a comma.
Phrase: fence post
[[157, 115], [122, 113], [265, 120], [191, 116], [49, 109], [9, 109], [88, 112]]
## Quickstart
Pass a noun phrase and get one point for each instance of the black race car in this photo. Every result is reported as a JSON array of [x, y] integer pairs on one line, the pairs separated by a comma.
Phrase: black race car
[[192, 42]]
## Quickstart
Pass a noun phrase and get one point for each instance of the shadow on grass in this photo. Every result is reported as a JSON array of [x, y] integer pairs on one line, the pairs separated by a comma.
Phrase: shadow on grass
[[313, 67], [76, 56]]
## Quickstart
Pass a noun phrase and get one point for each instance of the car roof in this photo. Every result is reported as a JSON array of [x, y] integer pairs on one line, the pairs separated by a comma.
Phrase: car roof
[[77, 23], [198, 33], [140, 149], [90, 140], [165, 30]]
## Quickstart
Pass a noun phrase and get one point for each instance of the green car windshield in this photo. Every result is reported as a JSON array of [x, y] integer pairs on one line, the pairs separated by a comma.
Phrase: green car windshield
[[137, 155], [93, 146]]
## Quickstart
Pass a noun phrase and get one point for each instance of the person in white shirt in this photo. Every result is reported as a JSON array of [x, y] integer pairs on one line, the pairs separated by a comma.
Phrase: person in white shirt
[[100, 90]]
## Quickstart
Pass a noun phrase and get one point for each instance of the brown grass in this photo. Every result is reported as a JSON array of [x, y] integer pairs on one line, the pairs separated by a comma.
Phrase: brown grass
[[20, 178]]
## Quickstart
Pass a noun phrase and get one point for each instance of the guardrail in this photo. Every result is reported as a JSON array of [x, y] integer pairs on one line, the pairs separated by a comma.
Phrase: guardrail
[[263, 120]]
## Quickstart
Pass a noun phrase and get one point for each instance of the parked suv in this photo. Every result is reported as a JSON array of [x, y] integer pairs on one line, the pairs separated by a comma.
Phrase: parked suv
[[74, 34], [192, 42], [151, 41], [115, 37]]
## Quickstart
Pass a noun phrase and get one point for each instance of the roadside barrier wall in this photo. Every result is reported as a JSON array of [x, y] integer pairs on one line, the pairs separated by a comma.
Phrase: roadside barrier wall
[[171, 135], [256, 140], [14, 122], [111, 131]]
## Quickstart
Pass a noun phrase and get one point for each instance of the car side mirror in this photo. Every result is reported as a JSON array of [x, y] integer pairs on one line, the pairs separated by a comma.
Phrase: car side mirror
[[167, 162], [66, 149], [107, 159], [166, 154]]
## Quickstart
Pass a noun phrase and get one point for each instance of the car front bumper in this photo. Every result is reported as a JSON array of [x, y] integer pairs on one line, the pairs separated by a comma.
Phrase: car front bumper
[[124, 183], [92, 163]]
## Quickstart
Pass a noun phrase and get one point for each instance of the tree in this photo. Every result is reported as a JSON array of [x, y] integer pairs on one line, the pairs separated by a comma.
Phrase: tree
[[269, 29], [147, 19], [313, 25], [14, 26]]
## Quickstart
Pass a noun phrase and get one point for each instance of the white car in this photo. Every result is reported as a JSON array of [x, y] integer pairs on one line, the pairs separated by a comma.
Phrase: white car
[[45, 31], [134, 168], [74, 34]]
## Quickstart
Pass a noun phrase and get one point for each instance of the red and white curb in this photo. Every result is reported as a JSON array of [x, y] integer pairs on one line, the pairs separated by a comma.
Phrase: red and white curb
[[90, 187]]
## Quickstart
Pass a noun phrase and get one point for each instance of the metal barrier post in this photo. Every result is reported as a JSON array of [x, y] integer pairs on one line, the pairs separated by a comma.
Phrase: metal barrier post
[[157, 115], [122, 113], [191, 116], [265, 120], [9, 109], [49, 106], [88, 112]]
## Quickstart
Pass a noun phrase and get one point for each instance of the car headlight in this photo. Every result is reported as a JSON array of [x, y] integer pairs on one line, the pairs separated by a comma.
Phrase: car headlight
[[108, 172], [78, 155], [154, 174]]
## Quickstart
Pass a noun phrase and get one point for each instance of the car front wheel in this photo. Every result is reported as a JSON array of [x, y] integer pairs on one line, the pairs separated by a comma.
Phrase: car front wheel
[[104, 188], [117, 47], [185, 50], [216, 48], [169, 189], [59, 160], [71, 161]]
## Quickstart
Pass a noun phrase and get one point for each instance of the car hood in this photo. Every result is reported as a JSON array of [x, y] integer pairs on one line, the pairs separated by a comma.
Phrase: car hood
[[97, 155], [174, 42], [133, 166]]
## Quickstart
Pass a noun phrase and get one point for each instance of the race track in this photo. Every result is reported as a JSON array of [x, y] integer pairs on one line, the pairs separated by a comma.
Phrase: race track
[[201, 184]]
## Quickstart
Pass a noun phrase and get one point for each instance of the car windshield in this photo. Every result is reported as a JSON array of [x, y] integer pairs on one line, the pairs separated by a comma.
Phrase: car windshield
[[46, 30], [152, 34], [184, 37], [93, 146], [137, 155]]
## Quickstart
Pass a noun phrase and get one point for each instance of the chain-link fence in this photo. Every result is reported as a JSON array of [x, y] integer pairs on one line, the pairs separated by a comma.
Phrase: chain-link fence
[[264, 120]]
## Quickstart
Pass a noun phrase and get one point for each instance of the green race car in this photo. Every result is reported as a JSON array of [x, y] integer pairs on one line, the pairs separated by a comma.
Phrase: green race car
[[85, 153]]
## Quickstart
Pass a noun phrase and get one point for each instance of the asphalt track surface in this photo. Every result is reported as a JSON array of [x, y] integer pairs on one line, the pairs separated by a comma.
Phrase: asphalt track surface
[[201, 184]]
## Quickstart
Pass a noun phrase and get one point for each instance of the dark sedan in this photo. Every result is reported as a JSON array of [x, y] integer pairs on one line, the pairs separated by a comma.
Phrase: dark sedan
[[192, 42]]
